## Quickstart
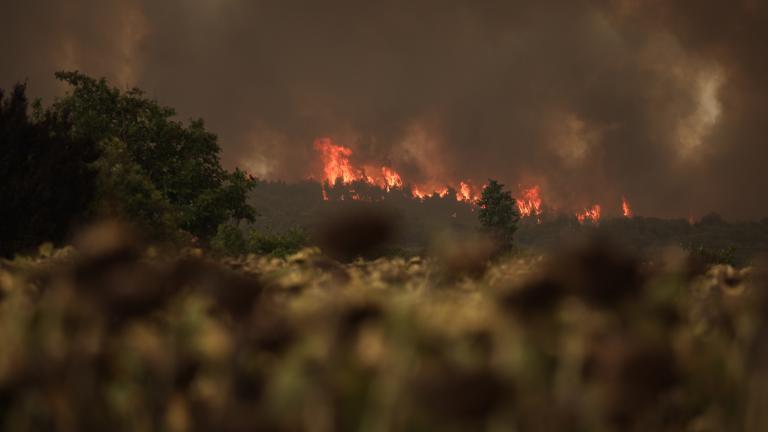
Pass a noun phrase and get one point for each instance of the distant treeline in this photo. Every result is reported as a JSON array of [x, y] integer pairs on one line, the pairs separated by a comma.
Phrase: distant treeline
[[284, 206]]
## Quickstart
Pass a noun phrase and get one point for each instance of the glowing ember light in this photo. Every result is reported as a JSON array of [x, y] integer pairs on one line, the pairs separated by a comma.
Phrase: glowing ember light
[[625, 208], [530, 202], [391, 178], [592, 214]]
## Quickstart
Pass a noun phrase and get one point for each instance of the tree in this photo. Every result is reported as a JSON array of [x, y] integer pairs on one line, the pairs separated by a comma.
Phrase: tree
[[47, 185], [498, 214], [182, 163]]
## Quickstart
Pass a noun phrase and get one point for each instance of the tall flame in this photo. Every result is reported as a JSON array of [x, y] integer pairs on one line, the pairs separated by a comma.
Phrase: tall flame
[[530, 202], [391, 178], [592, 214], [336, 164], [464, 193], [625, 208], [338, 167]]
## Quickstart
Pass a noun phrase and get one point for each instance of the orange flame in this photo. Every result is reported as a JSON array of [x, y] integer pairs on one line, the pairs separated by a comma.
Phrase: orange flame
[[418, 193], [391, 178], [336, 164], [592, 214], [464, 193], [425, 191], [625, 208], [530, 203], [338, 167]]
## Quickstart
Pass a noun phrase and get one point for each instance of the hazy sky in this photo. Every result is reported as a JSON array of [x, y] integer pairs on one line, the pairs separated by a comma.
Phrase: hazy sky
[[661, 101]]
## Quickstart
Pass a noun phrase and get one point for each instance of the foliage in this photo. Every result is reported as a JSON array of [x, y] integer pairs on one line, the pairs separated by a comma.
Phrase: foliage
[[710, 256], [498, 213], [181, 162], [124, 191], [230, 240], [46, 185], [278, 244], [104, 337]]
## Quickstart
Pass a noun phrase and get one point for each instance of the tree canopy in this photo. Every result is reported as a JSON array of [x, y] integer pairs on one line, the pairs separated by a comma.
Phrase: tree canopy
[[181, 162], [99, 151]]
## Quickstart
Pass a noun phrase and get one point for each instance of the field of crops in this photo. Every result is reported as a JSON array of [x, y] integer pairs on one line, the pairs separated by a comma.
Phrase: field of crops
[[111, 335]]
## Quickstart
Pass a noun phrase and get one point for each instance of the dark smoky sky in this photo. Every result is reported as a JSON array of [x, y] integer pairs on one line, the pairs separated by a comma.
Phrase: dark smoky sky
[[661, 101]]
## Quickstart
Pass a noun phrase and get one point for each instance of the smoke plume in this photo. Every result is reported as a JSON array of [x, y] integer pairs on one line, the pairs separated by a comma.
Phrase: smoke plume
[[661, 102]]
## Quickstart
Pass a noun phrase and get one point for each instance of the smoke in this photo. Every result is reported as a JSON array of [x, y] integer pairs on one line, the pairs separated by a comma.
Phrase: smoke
[[661, 102]]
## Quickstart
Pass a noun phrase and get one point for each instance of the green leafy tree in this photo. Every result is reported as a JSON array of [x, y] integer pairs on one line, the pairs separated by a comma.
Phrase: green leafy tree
[[498, 214], [181, 162]]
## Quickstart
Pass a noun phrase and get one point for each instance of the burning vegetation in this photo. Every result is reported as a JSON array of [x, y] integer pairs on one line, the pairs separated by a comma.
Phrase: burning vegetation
[[339, 170], [357, 181]]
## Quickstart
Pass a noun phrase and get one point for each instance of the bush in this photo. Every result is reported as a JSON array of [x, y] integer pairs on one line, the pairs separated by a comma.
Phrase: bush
[[710, 256], [230, 240], [277, 244]]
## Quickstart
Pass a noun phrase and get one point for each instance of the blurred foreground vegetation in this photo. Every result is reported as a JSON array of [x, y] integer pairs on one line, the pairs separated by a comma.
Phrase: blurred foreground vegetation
[[114, 335]]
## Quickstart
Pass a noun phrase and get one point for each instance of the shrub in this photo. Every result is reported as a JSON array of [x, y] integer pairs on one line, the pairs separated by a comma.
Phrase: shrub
[[712, 255], [277, 244], [231, 240]]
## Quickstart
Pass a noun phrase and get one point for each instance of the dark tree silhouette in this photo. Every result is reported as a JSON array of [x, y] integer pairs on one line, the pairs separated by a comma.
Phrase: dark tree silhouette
[[498, 214], [47, 184]]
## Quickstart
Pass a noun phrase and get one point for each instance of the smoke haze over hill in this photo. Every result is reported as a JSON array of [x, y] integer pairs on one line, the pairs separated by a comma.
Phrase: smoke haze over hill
[[661, 102]]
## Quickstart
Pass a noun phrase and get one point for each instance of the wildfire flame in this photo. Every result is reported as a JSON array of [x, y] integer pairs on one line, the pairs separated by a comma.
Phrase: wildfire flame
[[391, 178], [338, 167], [464, 193], [592, 214], [336, 163], [530, 202], [625, 208], [420, 192]]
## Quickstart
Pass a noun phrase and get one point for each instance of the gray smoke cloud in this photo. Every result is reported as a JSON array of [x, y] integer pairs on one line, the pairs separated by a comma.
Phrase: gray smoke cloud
[[662, 102]]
